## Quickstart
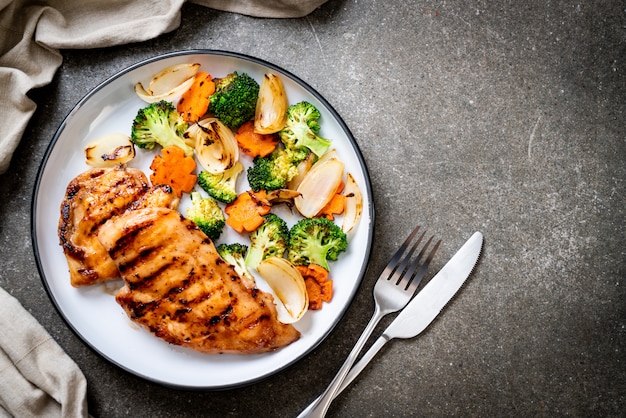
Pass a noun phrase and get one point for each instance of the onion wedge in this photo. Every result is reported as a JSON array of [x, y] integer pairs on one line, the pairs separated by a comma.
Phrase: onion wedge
[[172, 95], [354, 204], [215, 145], [109, 150], [172, 76], [331, 153], [288, 286], [169, 83], [318, 186], [271, 106]]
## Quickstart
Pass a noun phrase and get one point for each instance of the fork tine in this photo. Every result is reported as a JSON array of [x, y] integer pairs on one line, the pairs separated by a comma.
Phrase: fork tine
[[396, 257], [417, 278], [405, 279], [400, 270]]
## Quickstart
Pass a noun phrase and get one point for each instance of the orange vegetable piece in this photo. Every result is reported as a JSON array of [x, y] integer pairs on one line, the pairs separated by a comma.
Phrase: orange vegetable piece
[[255, 144], [247, 210], [194, 103], [175, 169], [317, 272], [319, 288], [314, 291], [335, 206], [327, 290]]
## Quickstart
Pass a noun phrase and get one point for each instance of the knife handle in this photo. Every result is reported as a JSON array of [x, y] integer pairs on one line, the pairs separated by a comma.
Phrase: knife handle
[[321, 404], [355, 370], [363, 362]]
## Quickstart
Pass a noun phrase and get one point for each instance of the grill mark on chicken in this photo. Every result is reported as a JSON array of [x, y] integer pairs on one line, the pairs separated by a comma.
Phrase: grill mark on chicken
[[139, 309], [91, 199], [159, 196], [125, 243], [178, 288]]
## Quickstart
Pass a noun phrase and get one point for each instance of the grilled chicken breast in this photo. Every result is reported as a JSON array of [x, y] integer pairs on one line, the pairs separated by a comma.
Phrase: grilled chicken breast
[[92, 198], [179, 288]]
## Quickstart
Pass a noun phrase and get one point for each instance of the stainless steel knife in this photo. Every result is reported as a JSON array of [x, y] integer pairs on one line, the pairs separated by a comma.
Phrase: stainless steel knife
[[424, 307]]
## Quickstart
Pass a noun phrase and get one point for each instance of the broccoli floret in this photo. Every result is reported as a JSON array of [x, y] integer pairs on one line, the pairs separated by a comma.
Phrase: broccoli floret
[[207, 214], [268, 240], [273, 171], [315, 240], [221, 186], [302, 128], [234, 254], [159, 123], [234, 100]]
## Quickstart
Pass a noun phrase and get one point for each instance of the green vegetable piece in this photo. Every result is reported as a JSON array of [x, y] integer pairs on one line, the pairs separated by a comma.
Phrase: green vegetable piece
[[302, 128], [268, 240], [273, 171], [221, 186], [159, 123], [234, 99], [315, 240], [207, 214], [234, 254]]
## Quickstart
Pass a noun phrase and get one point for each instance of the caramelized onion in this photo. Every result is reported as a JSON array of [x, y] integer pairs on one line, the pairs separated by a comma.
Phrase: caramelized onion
[[109, 150], [319, 186], [215, 145], [169, 83], [354, 204], [271, 106], [288, 286], [172, 76]]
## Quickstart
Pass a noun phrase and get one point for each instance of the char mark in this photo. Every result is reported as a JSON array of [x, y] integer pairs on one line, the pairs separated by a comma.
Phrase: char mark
[[128, 239], [139, 309]]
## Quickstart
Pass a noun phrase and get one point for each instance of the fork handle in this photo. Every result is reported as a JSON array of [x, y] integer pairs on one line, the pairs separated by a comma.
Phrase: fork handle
[[358, 368], [323, 402], [355, 370]]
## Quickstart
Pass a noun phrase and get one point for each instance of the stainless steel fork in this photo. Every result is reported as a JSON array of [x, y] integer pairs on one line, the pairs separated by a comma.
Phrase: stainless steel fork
[[396, 285]]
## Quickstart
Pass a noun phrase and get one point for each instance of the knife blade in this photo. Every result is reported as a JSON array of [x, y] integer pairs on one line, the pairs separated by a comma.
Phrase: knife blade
[[425, 306]]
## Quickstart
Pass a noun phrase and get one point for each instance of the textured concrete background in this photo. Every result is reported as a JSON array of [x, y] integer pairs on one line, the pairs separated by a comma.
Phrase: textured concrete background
[[505, 117]]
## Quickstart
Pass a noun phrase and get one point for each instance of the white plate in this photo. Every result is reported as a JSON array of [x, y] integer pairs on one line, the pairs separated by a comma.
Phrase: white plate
[[92, 312]]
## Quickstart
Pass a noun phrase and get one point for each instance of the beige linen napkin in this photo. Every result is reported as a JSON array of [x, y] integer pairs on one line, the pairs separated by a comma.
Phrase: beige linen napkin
[[37, 378], [32, 32]]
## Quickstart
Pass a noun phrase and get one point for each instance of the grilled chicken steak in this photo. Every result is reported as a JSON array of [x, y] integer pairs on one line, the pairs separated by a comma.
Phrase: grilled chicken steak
[[91, 198], [180, 289]]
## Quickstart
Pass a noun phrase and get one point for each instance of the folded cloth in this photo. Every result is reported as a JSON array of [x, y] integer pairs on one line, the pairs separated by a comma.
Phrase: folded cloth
[[32, 32], [264, 8], [37, 378]]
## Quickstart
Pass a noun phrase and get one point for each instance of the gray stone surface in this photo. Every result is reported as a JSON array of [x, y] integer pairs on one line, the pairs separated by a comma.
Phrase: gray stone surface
[[503, 117]]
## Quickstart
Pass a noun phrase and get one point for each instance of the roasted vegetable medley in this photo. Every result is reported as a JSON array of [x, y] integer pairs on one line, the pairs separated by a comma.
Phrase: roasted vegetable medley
[[199, 126]]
